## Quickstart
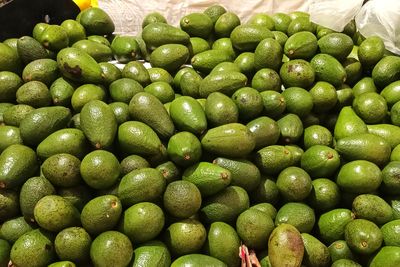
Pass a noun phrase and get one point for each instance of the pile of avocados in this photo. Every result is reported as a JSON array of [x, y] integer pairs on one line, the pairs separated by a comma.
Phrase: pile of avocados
[[273, 133]]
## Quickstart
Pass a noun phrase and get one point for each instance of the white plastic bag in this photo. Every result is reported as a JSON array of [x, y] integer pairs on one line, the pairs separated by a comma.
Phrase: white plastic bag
[[381, 18], [334, 14]]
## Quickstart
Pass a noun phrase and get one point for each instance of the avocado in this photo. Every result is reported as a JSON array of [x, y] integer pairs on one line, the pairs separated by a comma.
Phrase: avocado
[[225, 24], [68, 140], [349, 123], [328, 69], [249, 102], [4, 252], [188, 115], [363, 236], [106, 209], [285, 246], [221, 109], [359, 176], [371, 107], [29, 49], [268, 54], [34, 93], [152, 253], [54, 213], [238, 140], [244, 173], [294, 96], [372, 208], [142, 222], [297, 73], [226, 83], [78, 66], [110, 72], [35, 248], [185, 237], [17, 163], [147, 108], [214, 12], [291, 128], [99, 52], [125, 48], [137, 137], [9, 135], [140, 185], [315, 252], [61, 91], [158, 33], [386, 71], [265, 131], [225, 44], [184, 149], [100, 169], [9, 204], [206, 61], [73, 244], [246, 37], [340, 250], [74, 29], [360, 146], [387, 131], [102, 250], [221, 208], [34, 189], [152, 18], [54, 38], [197, 260], [197, 24], [301, 45], [182, 199], [338, 45], [331, 224], [294, 184], [223, 242], [370, 51], [253, 228], [209, 178], [12, 229], [9, 59], [135, 70], [273, 159], [387, 256], [98, 123], [297, 214], [96, 21], [42, 122]]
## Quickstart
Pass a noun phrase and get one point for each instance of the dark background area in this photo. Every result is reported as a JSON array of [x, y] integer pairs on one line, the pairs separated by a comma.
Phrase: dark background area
[[18, 17]]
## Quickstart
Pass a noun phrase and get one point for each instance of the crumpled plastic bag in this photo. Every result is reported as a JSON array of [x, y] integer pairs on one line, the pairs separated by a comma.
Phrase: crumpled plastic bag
[[334, 14], [381, 18]]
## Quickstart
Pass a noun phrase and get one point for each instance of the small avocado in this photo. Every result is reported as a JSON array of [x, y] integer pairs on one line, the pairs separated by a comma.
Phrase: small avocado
[[54, 213], [141, 185], [285, 246], [106, 209], [73, 244], [35, 248], [98, 123], [223, 242], [34, 189], [142, 222], [221, 208], [17, 163], [96, 21], [104, 246]]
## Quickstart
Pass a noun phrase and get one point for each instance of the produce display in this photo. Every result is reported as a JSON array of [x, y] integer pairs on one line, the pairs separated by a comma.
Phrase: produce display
[[266, 142]]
